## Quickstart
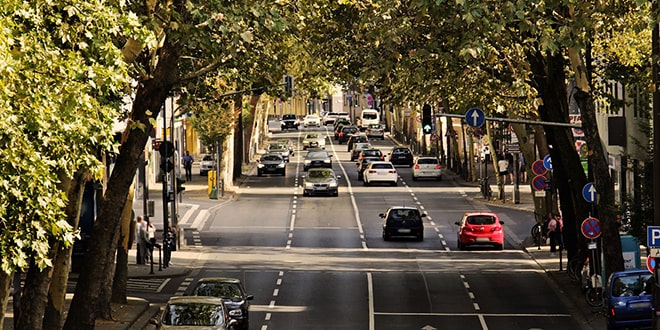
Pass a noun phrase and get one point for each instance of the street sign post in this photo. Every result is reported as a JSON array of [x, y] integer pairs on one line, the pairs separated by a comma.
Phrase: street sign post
[[475, 117], [589, 192], [590, 228], [653, 236]]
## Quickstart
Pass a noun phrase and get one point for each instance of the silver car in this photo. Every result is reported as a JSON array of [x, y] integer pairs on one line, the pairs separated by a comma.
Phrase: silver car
[[426, 167], [321, 181], [313, 140]]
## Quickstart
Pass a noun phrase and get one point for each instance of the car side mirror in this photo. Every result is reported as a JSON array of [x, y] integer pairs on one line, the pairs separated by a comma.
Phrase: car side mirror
[[423, 215], [249, 297], [501, 223], [457, 223], [330, 155], [258, 160], [338, 177], [382, 215]]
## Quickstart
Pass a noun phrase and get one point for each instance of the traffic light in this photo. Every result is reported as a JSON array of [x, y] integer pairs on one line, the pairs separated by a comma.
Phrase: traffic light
[[288, 84], [427, 119], [166, 165], [179, 185]]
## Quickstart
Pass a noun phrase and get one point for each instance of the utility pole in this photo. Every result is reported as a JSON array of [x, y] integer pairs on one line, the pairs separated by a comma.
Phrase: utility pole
[[655, 50]]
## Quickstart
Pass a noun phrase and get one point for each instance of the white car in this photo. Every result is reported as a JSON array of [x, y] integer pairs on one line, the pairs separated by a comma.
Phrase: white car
[[375, 131], [312, 120], [207, 164], [380, 172], [426, 167], [313, 140]]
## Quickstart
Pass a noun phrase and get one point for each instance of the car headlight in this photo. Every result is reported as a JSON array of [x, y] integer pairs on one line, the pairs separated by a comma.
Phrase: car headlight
[[236, 313], [281, 165], [309, 185], [333, 184], [327, 161], [260, 165], [307, 161]]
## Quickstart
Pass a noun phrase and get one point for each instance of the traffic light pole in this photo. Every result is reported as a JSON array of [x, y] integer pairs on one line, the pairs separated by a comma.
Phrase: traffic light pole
[[163, 159]]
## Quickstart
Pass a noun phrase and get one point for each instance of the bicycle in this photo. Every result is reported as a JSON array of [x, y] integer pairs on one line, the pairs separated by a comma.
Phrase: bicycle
[[486, 191], [594, 293], [540, 233], [577, 265]]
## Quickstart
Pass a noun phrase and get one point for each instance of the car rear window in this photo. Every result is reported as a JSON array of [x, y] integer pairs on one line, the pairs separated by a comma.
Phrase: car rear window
[[382, 166], [207, 158], [350, 130], [404, 214], [481, 220], [372, 152], [632, 285], [427, 161], [400, 151]]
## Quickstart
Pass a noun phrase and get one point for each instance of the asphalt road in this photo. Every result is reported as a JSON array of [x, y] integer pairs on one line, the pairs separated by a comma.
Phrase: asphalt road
[[321, 262]]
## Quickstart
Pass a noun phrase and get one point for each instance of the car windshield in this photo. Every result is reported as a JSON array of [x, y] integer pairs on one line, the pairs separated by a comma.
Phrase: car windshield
[[362, 146], [311, 136], [218, 289], [427, 161], [320, 174], [193, 314], [285, 117], [270, 158], [350, 130], [404, 214], [207, 158], [317, 154], [632, 285], [481, 220], [275, 146]]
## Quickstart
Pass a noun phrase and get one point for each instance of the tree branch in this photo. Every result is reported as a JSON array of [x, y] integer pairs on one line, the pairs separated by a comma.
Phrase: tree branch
[[205, 70]]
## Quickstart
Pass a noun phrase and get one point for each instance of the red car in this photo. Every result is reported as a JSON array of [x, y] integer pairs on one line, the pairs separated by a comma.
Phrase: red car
[[480, 228]]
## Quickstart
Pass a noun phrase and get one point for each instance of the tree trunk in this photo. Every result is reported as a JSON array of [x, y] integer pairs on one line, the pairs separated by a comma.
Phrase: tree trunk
[[35, 297], [550, 80], [121, 269], [238, 138], [6, 281], [54, 314], [151, 95]]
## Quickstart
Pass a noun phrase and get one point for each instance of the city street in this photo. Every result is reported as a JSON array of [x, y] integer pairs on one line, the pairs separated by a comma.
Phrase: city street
[[321, 262]]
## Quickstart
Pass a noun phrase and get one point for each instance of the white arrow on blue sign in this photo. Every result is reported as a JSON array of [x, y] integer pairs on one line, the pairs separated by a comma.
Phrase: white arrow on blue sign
[[547, 162], [653, 236], [589, 192], [475, 117]]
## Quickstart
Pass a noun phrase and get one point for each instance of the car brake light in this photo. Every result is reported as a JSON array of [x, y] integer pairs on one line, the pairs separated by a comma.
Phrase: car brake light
[[612, 311], [416, 166], [382, 157], [391, 172], [372, 171], [437, 167], [497, 228]]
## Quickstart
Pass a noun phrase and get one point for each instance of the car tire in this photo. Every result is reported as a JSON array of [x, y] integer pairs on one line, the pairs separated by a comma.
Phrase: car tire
[[336, 194], [414, 178], [305, 168], [439, 178], [394, 183], [259, 173], [420, 238]]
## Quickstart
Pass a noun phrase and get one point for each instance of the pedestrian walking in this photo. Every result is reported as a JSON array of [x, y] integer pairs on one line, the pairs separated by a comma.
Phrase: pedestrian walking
[[554, 233], [139, 245], [143, 239], [510, 167], [502, 166], [523, 168], [187, 165]]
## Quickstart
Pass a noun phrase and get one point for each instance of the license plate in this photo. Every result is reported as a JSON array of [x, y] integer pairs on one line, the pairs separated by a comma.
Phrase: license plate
[[404, 230], [640, 305], [482, 239], [320, 188]]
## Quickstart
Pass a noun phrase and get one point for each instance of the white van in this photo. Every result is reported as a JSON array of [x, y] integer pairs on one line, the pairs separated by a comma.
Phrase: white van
[[369, 117]]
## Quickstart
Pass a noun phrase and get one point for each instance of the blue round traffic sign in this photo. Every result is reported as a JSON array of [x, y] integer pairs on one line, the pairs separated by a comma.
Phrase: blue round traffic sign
[[475, 117], [539, 183], [589, 192], [547, 162], [590, 228]]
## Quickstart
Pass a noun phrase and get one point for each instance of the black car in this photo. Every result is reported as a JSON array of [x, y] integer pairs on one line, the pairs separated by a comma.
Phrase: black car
[[321, 181], [289, 121], [362, 164], [232, 294], [346, 132], [317, 158], [271, 163], [403, 221], [360, 138], [401, 156]]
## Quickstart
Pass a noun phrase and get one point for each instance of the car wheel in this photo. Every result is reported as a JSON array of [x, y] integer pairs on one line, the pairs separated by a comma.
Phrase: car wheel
[[259, 173], [360, 178], [420, 238], [414, 178], [459, 245], [385, 237], [305, 168]]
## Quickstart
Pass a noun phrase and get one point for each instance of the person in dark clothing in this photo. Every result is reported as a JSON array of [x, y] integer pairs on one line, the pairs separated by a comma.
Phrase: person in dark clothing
[[187, 165]]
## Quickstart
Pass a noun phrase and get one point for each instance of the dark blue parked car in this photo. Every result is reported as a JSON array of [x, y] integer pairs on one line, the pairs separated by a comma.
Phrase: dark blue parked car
[[629, 299]]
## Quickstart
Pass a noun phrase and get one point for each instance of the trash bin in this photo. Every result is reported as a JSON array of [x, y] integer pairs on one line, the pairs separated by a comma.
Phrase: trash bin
[[631, 252]]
